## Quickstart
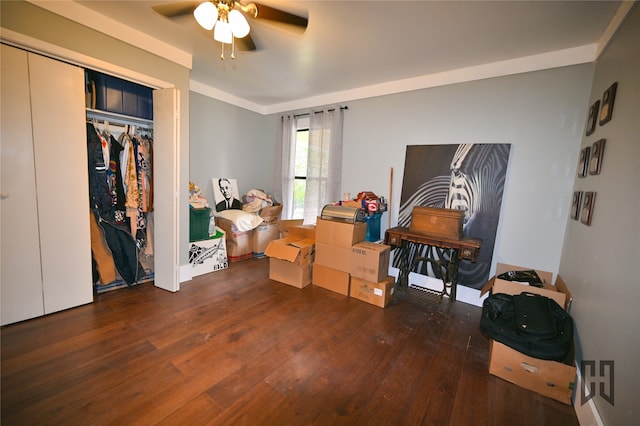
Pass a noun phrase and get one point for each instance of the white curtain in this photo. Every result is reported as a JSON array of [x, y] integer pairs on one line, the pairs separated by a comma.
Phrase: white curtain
[[324, 166], [324, 163], [287, 142]]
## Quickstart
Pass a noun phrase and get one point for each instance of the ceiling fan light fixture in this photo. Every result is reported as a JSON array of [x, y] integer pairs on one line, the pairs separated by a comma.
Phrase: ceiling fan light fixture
[[222, 32], [206, 14], [239, 25]]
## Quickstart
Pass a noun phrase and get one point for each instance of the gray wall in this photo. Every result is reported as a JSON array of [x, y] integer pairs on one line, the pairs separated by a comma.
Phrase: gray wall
[[601, 262], [541, 114], [227, 141]]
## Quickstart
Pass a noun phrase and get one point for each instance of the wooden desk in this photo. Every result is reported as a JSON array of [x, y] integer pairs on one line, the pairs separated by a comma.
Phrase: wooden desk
[[441, 253]]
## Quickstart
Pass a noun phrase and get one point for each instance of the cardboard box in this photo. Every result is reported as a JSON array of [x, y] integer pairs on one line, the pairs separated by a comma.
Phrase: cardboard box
[[341, 234], [239, 244], [370, 261], [262, 236], [271, 214], [209, 255], [436, 221], [289, 273], [549, 378], [558, 292], [292, 250], [334, 257], [331, 279], [376, 293], [288, 223], [307, 232]]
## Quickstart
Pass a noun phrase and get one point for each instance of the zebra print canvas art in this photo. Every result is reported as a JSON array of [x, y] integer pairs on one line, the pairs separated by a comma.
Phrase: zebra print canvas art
[[468, 177]]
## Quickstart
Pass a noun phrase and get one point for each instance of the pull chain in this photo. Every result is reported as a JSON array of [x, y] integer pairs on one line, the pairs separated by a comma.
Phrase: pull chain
[[233, 47]]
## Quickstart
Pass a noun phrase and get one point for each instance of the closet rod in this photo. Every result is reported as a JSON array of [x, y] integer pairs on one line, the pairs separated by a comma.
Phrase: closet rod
[[116, 118]]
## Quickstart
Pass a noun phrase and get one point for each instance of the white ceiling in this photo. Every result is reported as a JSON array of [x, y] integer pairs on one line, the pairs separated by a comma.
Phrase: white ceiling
[[354, 49]]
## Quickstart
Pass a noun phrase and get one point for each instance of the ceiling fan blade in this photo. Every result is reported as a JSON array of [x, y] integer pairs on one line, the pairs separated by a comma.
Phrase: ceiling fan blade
[[246, 43], [172, 10], [277, 15]]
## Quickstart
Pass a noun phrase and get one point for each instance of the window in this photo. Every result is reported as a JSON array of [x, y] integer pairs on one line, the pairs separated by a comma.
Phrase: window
[[311, 162], [300, 167]]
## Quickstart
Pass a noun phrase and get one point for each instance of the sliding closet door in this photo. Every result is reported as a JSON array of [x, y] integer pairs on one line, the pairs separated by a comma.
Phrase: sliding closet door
[[165, 192], [59, 140], [21, 275]]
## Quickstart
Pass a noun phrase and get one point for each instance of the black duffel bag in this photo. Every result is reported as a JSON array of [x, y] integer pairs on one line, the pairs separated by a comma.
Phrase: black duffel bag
[[532, 324]]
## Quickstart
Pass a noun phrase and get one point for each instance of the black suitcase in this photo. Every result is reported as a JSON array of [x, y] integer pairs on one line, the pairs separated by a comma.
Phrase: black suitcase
[[532, 324]]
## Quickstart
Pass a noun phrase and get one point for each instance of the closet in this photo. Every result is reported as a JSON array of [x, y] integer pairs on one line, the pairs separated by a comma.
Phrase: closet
[[120, 155], [46, 261], [45, 249]]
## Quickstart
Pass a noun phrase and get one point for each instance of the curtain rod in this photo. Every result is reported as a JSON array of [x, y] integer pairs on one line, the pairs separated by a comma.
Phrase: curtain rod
[[308, 113]]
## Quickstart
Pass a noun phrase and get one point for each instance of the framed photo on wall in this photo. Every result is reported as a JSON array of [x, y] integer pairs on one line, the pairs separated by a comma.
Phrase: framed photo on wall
[[583, 163], [588, 202], [576, 204], [597, 151], [607, 103], [593, 118]]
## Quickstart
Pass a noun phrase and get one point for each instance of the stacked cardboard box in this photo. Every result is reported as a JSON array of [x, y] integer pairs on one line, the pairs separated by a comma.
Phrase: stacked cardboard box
[[246, 244], [549, 378], [333, 255], [334, 240], [238, 242], [291, 258], [267, 231], [370, 281]]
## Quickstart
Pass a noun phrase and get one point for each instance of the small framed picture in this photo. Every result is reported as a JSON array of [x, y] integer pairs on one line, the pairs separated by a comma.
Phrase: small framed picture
[[588, 202], [576, 203], [583, 163], [597, 151], [607, 103], [593, 118]]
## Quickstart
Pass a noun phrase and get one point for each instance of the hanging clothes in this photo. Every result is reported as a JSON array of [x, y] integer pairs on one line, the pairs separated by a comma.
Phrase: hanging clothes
[[115, 180], [106, 268], [119, 239]]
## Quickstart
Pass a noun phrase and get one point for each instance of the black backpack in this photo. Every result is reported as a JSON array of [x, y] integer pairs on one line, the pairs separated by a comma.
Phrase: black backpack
[[532, 324]]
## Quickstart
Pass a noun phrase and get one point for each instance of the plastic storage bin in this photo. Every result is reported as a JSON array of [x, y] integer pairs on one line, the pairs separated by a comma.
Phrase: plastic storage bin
[[373, 227], [199, 224], [112, 94]]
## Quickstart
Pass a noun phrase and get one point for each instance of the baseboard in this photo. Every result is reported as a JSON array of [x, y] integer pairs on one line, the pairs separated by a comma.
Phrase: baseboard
[[185, 273], [587, 413]]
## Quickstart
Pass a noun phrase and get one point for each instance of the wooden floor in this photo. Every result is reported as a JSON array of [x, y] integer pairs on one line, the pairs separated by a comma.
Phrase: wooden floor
[[233, 347]]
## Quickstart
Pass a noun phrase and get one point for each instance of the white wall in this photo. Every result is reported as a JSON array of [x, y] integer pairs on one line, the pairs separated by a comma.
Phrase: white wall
[[601, 261]]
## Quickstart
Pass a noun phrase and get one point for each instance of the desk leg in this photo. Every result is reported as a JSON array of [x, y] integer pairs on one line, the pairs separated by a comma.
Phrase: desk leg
[[403, 264], [452, 272]]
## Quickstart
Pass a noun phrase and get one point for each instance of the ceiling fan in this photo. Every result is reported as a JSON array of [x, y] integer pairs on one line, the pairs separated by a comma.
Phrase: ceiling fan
[[227, 19]]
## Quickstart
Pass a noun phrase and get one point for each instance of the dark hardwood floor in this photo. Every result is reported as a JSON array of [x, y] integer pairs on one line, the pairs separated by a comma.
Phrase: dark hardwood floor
[[233, 347]]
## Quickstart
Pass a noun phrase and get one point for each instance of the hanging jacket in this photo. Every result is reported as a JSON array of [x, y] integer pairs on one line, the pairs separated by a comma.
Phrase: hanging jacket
[[115, 176], [119, 239], [99, 192]]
